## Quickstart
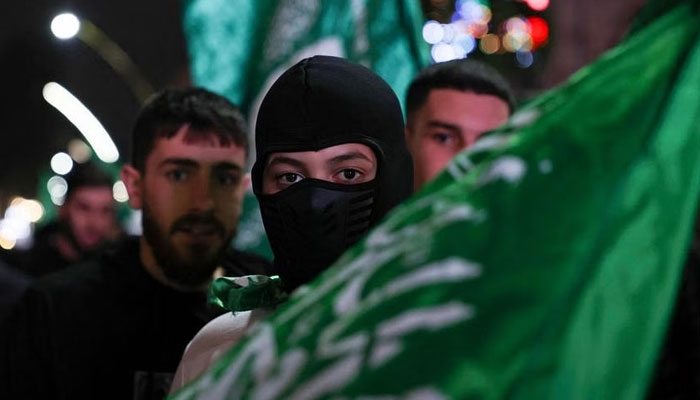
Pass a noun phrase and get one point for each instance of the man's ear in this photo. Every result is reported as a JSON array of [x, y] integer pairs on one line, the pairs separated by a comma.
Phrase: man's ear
[[245, 182], [133, 181]]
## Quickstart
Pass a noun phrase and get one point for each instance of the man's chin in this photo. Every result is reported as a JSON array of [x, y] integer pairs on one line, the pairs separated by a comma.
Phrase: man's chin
[[191, 268], [197, 254], [88, 243]]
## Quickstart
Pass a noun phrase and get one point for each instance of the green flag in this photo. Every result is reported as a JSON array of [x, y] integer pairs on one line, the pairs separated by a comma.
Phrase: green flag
[[542, 264], [240, 47]]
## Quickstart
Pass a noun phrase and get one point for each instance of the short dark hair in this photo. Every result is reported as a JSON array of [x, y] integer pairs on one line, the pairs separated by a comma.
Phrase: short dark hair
[[464, 75], [87, 175], [166, 111]]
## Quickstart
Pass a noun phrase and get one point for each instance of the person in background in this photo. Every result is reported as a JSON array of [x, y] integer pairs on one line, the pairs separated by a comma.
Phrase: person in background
[[85, 225], [331, 162], [115, 328], [449, 106]]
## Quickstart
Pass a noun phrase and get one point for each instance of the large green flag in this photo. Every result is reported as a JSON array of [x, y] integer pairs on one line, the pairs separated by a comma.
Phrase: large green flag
[[542, 264], [240, 47]]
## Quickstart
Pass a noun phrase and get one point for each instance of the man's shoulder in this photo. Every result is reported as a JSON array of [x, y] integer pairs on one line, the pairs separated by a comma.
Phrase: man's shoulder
[[92, 276], [241, 263], [73, 278]]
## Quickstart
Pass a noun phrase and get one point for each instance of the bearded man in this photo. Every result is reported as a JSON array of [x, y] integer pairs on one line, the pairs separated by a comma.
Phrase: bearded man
[[116, 327]]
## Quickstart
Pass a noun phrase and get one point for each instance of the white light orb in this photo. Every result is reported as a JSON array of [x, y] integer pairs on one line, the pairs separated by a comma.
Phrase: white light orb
[[443, 52], [433, 32], [119, 192], [61, 163], [65, 26], [57, 187]]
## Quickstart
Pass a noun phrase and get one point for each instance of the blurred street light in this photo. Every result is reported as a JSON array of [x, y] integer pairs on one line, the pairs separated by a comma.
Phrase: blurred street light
[[83, 119], [65, 26]]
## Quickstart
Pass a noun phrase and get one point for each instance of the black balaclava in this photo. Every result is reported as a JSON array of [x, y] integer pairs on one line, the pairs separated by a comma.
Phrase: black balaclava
[[321, 102]]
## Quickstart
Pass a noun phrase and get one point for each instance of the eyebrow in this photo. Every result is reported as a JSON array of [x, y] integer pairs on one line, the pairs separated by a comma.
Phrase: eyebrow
[[183, 162], [354, 155], [285, 160], [186, 162], [444, 125]]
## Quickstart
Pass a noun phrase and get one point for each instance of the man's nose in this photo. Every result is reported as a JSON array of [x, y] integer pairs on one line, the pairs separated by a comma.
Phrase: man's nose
[[201, 195]]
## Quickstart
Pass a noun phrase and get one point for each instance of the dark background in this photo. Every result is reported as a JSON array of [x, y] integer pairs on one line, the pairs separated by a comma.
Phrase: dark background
[[149, 31]]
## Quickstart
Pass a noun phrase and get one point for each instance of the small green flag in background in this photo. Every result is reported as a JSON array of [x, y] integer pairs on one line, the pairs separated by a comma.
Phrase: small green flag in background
[[238, 48], [542, 264]]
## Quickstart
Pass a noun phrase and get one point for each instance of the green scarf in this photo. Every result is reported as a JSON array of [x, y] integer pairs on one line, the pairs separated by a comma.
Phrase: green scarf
[[245, 293]]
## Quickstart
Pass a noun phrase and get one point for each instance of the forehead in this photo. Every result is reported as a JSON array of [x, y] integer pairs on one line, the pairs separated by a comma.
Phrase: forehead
[[205, 149], [333, 153], [93, 195], [477, 111]]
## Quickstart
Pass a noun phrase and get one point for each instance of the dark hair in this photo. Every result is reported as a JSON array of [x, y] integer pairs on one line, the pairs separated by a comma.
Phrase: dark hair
[[87, 175], [206, 112], [464, 75]]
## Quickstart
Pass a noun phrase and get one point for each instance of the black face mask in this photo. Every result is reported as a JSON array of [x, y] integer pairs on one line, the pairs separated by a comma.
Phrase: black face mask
[[311, 223]]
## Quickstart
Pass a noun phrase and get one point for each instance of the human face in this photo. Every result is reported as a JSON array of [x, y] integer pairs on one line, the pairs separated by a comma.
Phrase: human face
[[349, 164], [191, 192], [89, 212], [448, 122]]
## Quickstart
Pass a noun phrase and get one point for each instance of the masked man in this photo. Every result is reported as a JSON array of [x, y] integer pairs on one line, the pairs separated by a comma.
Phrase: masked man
[[331, 162]]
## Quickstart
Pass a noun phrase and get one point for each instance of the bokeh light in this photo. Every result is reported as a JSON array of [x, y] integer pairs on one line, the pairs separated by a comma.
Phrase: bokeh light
[[539, 31], [16, 201], [57, 187], [515, 24], [34, 209], [119, 192], [538, 5], [15, 226], [475, 26], [79, 151], [464, 45], [457, 39], [472, 11], [61, 163], [490, 44], [479, 29], [65, 26], [433, 32], [450, 33], [7, 243], [524, 59], [517, 36], [442, 52]]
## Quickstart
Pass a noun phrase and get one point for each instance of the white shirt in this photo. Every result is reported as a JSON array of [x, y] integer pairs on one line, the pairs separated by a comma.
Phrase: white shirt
[[211, 342]]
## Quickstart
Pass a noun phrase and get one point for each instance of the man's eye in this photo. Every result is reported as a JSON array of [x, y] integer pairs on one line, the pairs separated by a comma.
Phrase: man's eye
[[349, 175], [442, 138], [290, 178], [228, 179], [177, 175]]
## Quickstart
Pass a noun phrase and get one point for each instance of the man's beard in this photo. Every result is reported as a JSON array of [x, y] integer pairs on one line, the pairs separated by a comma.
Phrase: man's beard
[[193, 266]]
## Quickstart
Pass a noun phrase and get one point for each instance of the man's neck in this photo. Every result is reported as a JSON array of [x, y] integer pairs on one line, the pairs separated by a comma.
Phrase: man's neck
[[149, 262]]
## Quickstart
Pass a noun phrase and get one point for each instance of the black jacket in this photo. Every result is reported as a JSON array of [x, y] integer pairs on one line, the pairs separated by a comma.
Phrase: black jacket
[[105, 329]]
